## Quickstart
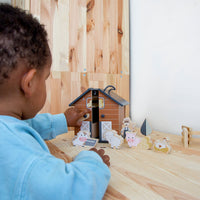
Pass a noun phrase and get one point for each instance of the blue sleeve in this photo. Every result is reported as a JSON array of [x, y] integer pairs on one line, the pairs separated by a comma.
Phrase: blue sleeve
[[49, 126], [86, 178]]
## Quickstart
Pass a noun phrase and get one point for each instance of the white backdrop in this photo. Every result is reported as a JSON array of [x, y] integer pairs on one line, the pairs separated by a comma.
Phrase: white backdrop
[[165, 63]]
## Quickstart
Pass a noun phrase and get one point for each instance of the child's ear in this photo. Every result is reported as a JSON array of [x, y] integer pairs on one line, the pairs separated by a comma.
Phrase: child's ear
[[28, 81]]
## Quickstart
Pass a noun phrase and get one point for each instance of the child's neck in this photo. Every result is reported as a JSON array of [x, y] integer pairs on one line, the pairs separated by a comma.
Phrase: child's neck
[[10, 109]]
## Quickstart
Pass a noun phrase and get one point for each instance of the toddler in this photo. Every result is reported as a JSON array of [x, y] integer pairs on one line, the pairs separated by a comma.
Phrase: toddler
[[27, 169]]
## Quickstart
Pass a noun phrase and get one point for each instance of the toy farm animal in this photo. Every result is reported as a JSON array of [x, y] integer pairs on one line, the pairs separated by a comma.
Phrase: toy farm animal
[[131, 139], [162, 145], [145, 143], [81, 138], [113, 139]]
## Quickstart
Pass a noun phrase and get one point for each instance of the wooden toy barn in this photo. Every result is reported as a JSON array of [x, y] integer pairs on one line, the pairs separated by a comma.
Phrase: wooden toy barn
[[107, 111]]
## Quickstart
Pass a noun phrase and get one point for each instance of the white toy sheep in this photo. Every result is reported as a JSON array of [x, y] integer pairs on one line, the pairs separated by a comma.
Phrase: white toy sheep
[[113, 138]]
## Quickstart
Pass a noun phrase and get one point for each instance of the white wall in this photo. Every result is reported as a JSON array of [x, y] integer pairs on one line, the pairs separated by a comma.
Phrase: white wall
[[165, 63]]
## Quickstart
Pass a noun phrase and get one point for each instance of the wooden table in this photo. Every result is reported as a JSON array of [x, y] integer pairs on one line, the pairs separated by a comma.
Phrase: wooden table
[[145, 174]]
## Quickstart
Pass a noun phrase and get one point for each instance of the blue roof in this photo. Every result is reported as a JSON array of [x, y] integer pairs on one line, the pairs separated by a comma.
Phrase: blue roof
[[116, 98]]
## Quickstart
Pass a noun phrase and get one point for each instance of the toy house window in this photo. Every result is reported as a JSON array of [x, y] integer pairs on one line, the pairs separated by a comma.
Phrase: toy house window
[[89, 103], [101, 103]]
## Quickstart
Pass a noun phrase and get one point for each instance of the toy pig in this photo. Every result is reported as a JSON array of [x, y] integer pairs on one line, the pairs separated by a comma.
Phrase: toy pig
[[131, 139]]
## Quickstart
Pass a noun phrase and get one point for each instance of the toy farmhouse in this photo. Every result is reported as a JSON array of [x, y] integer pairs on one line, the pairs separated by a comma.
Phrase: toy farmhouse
[[107, 111]]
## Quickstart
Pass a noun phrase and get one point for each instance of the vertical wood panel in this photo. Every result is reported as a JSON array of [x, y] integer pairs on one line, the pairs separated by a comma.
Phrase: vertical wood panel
[[125, 38], [74, 16], [106, 32], [113, 17], [90, 36], [120, 34], [98, 18], [55, 92], [35, 8], [89, 40], [65, 90], [60, 34]]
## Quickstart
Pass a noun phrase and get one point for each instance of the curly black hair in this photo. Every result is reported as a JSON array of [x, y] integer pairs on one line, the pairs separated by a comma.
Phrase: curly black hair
[[22, 37]]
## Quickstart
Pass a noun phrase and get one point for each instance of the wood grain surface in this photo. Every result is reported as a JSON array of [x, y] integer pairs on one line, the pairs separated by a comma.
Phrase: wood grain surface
[[144, 174], [89, 40]]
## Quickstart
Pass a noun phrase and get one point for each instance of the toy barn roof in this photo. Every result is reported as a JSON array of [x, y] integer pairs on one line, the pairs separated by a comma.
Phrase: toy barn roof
[[116, 98]]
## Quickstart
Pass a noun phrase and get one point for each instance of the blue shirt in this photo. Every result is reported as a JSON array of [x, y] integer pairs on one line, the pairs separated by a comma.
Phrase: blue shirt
[[29, 172]]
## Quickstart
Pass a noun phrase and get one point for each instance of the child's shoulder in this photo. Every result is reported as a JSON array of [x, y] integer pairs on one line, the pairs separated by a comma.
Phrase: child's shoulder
[[9, 123], [18, 134]]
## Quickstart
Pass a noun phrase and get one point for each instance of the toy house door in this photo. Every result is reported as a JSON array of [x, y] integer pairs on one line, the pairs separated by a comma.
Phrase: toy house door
[[86, 126], [103, 127]]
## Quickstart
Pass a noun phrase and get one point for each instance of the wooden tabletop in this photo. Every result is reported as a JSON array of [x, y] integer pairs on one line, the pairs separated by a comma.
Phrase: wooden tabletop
[[145, 174]]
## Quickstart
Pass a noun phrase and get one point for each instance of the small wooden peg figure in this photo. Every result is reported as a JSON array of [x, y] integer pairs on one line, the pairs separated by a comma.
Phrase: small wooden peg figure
[[127, 125], [186, 135]]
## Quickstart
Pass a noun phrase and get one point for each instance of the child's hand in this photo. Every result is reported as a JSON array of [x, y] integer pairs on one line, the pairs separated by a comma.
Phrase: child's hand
[[101, 152], [73, 115]]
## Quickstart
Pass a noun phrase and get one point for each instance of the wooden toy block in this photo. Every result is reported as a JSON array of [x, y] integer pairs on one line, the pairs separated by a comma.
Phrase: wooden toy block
[[186, 135], [146, 128]]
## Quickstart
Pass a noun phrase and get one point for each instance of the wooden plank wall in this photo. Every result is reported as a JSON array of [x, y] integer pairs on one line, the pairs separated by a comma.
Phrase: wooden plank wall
[[89, 40]]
